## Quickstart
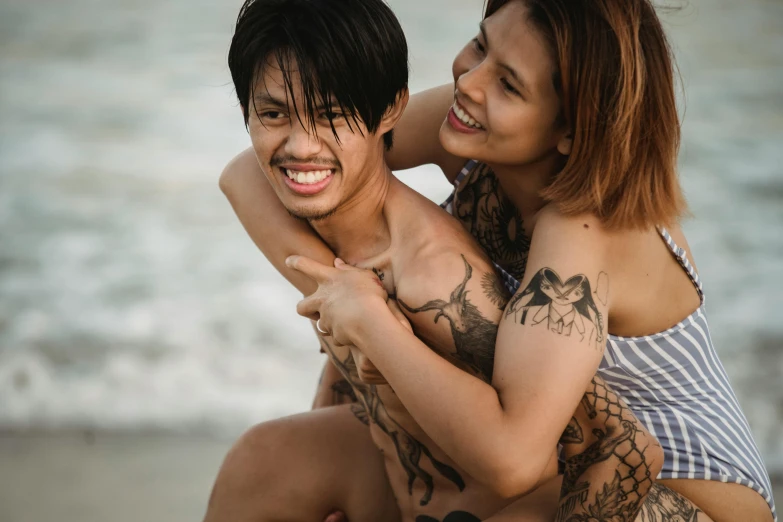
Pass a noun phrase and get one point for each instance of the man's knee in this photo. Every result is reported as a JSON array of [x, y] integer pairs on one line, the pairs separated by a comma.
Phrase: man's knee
[[251, 474]]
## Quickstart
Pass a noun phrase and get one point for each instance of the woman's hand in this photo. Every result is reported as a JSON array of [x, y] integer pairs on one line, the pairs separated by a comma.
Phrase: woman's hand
[[368, 373], [346, 296]]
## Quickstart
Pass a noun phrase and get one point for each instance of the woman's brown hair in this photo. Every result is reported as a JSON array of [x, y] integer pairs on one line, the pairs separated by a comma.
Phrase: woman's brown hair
[[614, 73]]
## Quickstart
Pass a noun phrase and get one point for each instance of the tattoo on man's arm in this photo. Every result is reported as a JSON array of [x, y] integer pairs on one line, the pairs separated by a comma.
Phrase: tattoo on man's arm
[[474, 335], [565, 308]]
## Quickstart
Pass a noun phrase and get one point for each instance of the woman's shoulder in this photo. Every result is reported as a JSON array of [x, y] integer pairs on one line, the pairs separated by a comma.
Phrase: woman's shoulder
[[553, 224]]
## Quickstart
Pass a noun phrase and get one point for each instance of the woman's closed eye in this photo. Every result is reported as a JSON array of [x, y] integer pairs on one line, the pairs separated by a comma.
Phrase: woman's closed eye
[[508, 87], [478, 46]]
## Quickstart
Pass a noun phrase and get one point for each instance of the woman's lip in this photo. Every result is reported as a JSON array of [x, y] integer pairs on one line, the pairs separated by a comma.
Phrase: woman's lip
[[310, 189], [457, 124]]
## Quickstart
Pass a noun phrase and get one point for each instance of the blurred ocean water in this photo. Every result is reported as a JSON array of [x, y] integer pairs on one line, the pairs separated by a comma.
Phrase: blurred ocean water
[[130, 296]]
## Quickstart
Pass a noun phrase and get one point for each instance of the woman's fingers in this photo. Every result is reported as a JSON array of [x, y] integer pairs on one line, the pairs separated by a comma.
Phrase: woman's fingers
[[312, 269], [309, 307]]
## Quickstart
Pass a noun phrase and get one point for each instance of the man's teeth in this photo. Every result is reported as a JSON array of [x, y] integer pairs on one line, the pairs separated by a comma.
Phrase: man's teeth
[[309, 177], [464, 118]]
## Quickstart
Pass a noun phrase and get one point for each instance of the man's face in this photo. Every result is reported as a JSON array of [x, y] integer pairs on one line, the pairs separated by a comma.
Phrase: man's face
[[311, 173]]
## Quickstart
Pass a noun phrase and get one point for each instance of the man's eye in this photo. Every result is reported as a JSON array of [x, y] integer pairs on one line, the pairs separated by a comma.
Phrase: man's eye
[[272, 115], [331, 115]]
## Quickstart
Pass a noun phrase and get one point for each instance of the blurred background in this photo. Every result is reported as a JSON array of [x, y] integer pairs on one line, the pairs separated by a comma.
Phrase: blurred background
[[141, 331]]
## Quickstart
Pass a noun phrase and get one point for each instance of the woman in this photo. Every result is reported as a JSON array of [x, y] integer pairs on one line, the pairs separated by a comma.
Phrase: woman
[[567, 111]]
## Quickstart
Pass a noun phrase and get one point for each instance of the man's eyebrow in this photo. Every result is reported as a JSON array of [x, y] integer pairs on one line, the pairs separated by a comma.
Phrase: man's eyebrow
[[331, 104], [267, 99], [517, 77]]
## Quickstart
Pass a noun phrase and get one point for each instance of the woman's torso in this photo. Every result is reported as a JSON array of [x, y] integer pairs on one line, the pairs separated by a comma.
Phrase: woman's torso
[[671, 377]]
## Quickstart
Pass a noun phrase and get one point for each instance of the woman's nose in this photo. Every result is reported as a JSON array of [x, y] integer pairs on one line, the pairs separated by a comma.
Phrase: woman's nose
[[472, 83]]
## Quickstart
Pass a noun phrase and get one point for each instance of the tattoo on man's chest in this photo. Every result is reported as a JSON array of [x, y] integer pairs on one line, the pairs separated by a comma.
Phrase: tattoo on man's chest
[[370, 409], [342, 392], [474, 335], [454, 516], [391, 292], [493, 220]]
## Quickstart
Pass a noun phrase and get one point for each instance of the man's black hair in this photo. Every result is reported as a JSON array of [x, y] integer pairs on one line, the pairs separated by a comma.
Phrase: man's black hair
[[350, 52]]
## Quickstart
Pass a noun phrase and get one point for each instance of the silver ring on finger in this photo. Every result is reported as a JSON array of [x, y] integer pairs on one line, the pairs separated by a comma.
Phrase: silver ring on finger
[[318, 327]]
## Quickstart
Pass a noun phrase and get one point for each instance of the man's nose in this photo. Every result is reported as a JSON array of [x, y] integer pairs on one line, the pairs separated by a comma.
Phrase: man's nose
[[302, 142]]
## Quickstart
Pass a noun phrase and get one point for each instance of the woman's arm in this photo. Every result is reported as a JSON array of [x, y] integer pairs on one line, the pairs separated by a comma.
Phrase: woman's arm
[[267, 222], [549, 345]]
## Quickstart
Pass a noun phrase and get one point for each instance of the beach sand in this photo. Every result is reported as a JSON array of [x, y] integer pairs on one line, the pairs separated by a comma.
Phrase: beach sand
[[113, 477], [107, 478]]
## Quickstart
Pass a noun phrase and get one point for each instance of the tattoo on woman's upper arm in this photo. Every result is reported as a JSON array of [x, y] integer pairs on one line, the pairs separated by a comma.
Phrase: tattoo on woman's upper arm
[[564, 307]]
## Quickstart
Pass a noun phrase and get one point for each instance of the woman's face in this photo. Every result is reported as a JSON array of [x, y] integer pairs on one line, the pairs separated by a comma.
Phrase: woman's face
[[506, 109]]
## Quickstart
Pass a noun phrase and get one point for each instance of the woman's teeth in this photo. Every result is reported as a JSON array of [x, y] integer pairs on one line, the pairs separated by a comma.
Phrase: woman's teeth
[[464, 117], [309, 177]]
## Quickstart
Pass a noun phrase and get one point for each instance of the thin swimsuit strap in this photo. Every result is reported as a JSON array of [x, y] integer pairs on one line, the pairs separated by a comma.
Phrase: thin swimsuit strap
[[682, 258]]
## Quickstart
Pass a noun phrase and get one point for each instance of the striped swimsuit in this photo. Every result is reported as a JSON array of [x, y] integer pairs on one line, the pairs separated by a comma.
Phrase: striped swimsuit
[[676, 386]]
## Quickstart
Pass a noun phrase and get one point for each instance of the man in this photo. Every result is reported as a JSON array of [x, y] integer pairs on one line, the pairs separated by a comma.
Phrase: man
[[322, 85]]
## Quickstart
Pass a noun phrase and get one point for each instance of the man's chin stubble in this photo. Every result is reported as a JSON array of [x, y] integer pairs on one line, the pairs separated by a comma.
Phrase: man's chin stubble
[[312, 216]]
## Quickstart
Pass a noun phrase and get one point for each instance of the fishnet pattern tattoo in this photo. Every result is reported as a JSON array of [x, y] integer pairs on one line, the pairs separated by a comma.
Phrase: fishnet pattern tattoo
[[621, 485]]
